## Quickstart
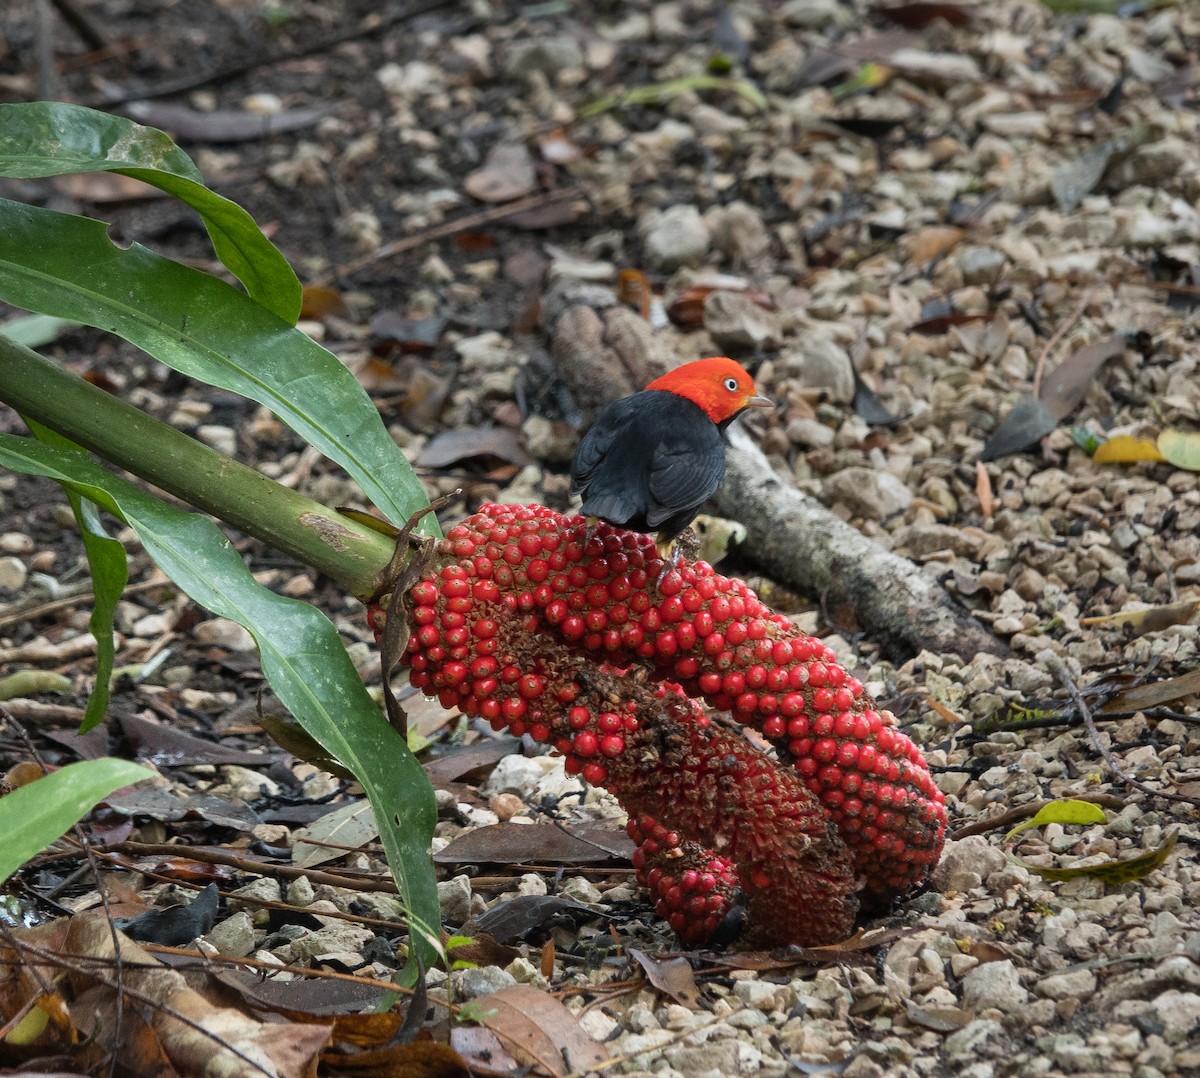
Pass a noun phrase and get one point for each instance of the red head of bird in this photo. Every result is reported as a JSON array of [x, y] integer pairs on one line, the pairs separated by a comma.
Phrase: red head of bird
[[720, 387]]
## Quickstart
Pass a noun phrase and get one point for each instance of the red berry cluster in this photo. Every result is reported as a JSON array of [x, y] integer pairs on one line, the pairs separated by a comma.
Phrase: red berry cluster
[[692, 888], [514, 578]]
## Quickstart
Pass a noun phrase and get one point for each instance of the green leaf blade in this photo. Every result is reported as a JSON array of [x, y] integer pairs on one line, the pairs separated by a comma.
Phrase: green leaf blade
[[302, 657], [47, 138], [34, 816], [66, 266]]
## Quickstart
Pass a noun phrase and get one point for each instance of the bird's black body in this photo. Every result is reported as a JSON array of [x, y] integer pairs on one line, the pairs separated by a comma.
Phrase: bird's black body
[[649, 462]]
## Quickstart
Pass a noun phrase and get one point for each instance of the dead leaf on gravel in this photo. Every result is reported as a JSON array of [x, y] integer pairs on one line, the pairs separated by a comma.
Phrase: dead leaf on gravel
[[511, 843], [345, 828], [1152, 619], [1065, 387], [320, 301], [511, 918], [1157, 693], [506, 174], [536, 1026], [1072, 181], [394, 333], [934, 241], [1028, 422], [453, 448], [483, 1051], [671, 976], [222, 125], [460, 762]]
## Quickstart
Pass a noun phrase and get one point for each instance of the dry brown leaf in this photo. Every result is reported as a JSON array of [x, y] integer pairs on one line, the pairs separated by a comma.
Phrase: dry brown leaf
[[511, 843], [454, 447], [535, 1025], [672, 976], [983, 490], [320, 301], [1157, 693], [934, 241], [1151, 620], [1065, 386]]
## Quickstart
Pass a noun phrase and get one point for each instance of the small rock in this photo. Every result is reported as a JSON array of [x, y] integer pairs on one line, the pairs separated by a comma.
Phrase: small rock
[[813, 14], [484, 980], [817, 362], [15, 543], [454, 897], [338, 937], [1080, 984], [300, 891], [810, 433], [222, 439], [738, 324], [550, 440], [867, 493], [979, 265], [485, 352], [758, 994], [546, 56], [581, 890], [967, 863], [224, 633], [263, 889], [233, 936], [738, 233], [243, 784], [994, 984], [505, 806], [968, 1040], [13, 574], [674, 237]]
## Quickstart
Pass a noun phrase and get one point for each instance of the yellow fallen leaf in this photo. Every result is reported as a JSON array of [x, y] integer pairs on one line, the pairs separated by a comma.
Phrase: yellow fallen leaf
[[1180, 448], [1125, 449]]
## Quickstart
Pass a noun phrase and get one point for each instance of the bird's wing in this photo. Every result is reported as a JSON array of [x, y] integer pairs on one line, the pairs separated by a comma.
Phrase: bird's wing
[[684, 472], [610, 425]]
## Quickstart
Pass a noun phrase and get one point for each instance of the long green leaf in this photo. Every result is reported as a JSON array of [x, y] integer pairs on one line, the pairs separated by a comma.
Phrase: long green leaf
[[48, 138], [58, 264], [110, 573], [33, 816], [301, 654]]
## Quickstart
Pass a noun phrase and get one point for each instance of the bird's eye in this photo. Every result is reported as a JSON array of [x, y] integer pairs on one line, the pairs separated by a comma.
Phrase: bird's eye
[[731, 384]]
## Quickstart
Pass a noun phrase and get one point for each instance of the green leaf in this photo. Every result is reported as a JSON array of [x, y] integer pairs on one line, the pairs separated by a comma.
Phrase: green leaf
[[47, 138], [302, 657], [110, 573], [58, 264], [1066, 810], [33, 816]]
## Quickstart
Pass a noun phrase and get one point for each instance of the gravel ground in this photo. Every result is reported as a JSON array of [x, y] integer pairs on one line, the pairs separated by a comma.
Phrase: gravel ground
[[986, 201]]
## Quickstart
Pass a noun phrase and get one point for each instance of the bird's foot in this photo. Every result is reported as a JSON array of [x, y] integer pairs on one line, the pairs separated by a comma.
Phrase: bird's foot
[[672, 554]]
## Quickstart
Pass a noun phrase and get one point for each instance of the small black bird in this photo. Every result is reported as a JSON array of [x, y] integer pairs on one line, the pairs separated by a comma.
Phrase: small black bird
[[651, 460]]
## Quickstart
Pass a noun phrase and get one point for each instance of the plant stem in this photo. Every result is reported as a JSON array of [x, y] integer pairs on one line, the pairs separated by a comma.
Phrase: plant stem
[[351, 553]]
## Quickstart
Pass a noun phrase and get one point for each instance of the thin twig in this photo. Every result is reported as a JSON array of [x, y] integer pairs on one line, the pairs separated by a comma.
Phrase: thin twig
[[82, 23], [1059, 334], [369, 27], [1068, 683], [1021, 812]]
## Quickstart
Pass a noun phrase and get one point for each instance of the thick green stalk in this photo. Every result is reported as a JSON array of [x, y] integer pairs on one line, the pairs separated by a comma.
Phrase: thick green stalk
[[350, 553]]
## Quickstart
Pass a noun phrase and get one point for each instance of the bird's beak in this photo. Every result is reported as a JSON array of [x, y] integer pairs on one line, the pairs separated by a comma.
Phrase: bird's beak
[[759, 401]]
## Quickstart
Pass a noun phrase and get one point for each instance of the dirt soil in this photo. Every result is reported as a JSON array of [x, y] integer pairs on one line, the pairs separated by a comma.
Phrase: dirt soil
[[901, 225]]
